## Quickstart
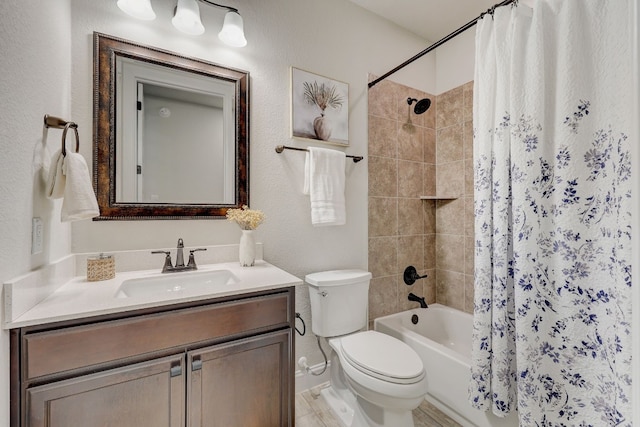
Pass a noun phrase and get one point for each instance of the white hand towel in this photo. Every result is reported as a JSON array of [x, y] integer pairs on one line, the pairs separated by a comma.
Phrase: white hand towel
[[325, 182], [79, 199], [56, 179]]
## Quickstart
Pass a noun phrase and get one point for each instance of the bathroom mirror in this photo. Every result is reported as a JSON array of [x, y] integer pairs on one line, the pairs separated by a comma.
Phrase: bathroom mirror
[[170, 134]]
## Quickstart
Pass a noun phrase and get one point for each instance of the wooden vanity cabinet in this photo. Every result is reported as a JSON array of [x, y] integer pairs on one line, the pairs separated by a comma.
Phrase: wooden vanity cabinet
[[144, 394], [214, 363], [218, 378]]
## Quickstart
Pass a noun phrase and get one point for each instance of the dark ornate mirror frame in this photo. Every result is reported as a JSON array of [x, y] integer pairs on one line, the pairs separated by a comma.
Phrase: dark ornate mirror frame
[[106, 49]]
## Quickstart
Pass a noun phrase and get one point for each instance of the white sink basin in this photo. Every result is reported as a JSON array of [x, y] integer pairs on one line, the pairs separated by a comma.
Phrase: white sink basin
[[173, 284]]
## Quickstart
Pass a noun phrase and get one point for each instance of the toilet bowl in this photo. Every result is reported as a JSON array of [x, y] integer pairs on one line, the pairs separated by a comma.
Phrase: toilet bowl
[[376, 379], [386, 373]]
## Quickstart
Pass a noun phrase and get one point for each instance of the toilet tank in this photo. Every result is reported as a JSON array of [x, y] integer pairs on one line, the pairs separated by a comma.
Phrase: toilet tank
[[339, 301]]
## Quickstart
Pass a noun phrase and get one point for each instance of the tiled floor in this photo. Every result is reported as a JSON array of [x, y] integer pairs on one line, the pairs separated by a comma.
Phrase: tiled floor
[[312, 411]]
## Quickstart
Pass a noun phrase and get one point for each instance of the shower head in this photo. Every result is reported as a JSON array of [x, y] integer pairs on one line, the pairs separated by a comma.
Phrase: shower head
[[422, 105]]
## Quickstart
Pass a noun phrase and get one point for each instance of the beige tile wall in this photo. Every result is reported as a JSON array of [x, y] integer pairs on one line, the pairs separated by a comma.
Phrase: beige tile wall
[[402, 167], [431, 157], [454, 218]]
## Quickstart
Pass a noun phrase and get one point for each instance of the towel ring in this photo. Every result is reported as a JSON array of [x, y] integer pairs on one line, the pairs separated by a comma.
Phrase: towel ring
[[64, 137]]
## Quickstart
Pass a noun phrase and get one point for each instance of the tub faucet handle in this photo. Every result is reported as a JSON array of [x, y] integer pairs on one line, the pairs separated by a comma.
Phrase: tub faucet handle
[[411, 275]]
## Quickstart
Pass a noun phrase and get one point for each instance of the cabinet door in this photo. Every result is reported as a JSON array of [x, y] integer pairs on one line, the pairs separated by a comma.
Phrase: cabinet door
[[144, 394], [245, 383]]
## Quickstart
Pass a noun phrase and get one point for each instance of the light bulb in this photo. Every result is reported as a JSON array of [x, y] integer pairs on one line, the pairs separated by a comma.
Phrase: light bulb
[[187, 18], [140, 9], [232, 32]]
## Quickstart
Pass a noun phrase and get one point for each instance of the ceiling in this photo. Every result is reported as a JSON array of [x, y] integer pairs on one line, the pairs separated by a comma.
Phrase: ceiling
[[430, 19]]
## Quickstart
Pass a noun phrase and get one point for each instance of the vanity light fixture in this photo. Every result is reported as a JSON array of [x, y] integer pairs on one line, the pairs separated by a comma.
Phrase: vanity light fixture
[[140, 9], [186, 18], [232, 32]]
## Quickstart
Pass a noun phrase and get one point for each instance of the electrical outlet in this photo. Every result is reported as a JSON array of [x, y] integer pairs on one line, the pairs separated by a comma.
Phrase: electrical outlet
[[37, 232]]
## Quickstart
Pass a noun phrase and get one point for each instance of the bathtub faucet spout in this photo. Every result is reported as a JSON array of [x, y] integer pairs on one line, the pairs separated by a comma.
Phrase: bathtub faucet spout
[[413, 297]]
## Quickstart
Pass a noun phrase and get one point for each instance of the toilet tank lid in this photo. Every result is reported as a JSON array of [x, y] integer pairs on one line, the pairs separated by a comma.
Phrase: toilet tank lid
[[337, 277]]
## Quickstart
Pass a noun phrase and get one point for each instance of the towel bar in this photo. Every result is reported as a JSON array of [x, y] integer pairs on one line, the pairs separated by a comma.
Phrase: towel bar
[[281, 148], [58, 123]]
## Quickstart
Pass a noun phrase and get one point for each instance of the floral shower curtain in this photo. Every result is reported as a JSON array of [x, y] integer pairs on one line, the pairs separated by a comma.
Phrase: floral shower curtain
[[552, 111]]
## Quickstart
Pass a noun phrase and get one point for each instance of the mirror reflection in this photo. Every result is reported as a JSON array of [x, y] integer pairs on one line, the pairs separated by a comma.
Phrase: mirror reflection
[[171, 136], [177, 135]]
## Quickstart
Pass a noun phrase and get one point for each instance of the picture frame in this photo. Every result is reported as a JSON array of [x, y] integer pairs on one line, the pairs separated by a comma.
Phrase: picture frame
[[319, 108]]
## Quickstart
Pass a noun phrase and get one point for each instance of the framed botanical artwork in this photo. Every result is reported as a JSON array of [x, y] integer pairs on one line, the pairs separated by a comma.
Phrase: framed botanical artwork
[[319, 108]]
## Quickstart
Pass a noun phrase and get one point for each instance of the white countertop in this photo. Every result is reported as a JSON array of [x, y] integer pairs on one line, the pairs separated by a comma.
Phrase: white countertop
[[79, 298]]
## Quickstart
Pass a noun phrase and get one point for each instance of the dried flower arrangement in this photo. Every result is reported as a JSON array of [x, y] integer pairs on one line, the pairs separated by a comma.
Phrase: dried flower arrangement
[[247, 219], [322, 95]]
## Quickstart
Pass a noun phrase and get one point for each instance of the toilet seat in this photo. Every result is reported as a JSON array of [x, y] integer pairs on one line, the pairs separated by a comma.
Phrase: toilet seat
[[382, 356]]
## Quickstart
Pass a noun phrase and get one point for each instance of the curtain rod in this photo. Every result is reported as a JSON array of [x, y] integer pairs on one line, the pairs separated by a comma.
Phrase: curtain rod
[[442, 41]]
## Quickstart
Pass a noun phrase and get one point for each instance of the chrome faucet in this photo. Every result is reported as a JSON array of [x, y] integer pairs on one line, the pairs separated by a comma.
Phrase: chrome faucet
[[168, 267], [179, 255]]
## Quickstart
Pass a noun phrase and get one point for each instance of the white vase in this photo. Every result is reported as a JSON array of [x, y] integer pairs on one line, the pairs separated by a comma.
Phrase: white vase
[[247, 250], [322, 127]]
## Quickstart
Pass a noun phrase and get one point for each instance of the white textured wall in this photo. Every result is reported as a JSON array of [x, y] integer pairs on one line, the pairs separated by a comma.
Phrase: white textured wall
[[34, 80], [455, 61], [46, 67]]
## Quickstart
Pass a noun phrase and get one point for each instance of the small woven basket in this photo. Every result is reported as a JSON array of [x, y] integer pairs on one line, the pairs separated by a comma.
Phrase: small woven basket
[[102, 267]]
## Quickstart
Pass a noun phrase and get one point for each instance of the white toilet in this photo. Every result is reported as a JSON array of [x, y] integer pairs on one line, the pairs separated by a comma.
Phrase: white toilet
[[376, 380]]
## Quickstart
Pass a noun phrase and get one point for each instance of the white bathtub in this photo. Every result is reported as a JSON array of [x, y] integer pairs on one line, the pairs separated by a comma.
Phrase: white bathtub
[[442, 338]]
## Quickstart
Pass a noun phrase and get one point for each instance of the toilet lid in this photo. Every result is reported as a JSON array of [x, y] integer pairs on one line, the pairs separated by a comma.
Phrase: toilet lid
[[382, 356]]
